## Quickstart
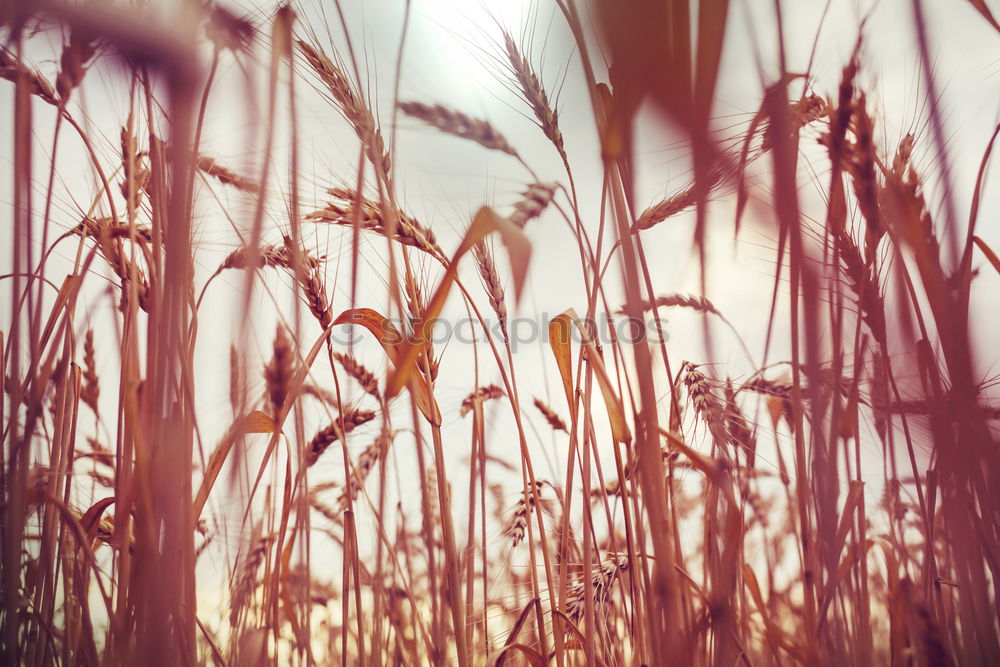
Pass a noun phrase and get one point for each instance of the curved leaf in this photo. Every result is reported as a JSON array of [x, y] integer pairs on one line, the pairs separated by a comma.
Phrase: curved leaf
[[484, 223]]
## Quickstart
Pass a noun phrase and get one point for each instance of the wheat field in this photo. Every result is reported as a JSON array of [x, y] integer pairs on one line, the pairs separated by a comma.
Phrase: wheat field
[[570, 332]]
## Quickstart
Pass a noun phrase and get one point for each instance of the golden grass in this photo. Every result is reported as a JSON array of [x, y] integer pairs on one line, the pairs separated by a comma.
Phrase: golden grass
[[831, 507]]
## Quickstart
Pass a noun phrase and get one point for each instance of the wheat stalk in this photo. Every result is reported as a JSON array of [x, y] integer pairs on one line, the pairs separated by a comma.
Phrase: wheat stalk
[[351, 418], [534, 94], [490, 392], [224, 175], [91, 389], [458, 124], [364, 377], [341, 211], [554, 420], [246, 579], [38, 85], [354, 108], [603, 578], [367, 460], [279, 371], [699, 303], [679, 201], [706, 404], [491, 281], [533, 203], [517, 525]]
